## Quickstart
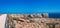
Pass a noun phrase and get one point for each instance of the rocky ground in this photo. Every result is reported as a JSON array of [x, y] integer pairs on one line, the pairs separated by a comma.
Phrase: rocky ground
[[32, 21]]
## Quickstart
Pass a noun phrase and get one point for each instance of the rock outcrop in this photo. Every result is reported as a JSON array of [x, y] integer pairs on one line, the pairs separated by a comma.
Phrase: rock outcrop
[[32, 21]]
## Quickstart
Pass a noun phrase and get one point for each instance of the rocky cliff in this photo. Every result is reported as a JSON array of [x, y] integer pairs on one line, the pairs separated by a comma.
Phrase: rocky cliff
[[32, 21]]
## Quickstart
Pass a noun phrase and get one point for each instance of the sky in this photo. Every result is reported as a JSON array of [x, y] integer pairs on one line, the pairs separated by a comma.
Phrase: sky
[[29, 6]]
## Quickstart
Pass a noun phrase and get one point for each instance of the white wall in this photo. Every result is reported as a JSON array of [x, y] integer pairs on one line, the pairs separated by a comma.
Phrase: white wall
[[2, 20]]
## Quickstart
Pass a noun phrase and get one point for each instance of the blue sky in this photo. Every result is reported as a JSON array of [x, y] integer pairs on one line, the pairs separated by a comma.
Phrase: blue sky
[[29, 6]]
